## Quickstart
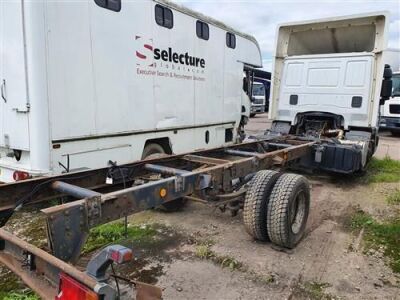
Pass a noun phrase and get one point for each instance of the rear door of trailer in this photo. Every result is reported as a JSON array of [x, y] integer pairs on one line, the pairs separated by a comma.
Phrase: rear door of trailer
[[14, 127]]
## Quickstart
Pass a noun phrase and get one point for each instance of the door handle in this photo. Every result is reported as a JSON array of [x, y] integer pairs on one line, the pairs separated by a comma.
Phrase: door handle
[[3, 88]]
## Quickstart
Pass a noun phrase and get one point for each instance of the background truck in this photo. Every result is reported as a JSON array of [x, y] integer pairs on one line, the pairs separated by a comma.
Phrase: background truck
[[390, 110], [258, 99], [329, 79], [260, 93], [88, 82]]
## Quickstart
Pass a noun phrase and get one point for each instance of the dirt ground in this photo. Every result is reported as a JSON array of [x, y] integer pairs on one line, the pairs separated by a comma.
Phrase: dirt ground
[[329, 263], [329, 255]]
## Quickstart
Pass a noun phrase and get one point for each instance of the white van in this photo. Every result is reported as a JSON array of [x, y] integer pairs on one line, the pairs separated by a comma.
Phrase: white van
[[92, 81], [327, 80]]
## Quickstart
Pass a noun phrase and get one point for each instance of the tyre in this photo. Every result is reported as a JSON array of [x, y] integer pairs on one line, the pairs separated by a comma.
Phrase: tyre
[[252, 115], [256, 203], [154, 150], [288, 208]]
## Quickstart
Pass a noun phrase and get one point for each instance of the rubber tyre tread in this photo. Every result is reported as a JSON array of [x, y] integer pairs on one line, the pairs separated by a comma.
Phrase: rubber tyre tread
[[279, 205], [256, 202]]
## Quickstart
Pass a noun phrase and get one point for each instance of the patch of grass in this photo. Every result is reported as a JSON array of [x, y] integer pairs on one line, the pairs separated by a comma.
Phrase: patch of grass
[[394, 198], [28, 295], [113, 233], [268, 279], [383, 170], [229, 262], [380, 236], [313, 290], [204, 251]]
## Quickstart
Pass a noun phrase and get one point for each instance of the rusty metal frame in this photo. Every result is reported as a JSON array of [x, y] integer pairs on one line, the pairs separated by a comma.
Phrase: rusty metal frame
[[41, 270], [69, 224], [203, 175]]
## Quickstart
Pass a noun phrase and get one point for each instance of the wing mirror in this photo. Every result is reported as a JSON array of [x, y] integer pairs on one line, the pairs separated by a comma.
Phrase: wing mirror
[[386, 90]]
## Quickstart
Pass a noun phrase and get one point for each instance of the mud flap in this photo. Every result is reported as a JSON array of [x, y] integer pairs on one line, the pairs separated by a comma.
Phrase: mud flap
[[147, 291]]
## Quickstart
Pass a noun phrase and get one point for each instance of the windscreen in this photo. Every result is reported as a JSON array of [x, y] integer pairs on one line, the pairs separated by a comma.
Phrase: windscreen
[[396, 85], [258, 90]]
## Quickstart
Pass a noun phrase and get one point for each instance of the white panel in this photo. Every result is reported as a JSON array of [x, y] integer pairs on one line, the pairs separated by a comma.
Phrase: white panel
[[294, 74], [174, 96], [98, 157], [233, 82], [209, 98], [332, 82], [15, 124], [355, 73], [1, 70], [70, 70], [323, 77], [124, 98]]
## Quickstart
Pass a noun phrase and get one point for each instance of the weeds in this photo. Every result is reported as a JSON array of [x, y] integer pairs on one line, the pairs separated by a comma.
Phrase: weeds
[[313, 291], [28, 295], [204, 251], [394, 198], [383, 170], [115, 232], [380, 236]]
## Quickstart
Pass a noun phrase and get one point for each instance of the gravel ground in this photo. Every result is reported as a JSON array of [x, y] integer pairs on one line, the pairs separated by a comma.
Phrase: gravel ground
[[329, 263]]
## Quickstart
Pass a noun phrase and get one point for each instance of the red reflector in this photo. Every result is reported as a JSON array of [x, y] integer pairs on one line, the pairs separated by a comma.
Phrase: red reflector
[[20, 175], [121, 256], [70, 289]]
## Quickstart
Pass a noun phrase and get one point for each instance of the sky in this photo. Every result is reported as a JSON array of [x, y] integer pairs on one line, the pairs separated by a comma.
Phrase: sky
[[260, 18]]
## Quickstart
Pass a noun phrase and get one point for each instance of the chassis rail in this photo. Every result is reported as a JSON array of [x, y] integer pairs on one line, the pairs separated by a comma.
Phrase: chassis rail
[[107, 194]]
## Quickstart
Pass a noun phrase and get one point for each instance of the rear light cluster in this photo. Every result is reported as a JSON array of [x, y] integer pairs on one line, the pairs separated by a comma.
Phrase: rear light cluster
[[20, 175], [70, 289], [121, 256]]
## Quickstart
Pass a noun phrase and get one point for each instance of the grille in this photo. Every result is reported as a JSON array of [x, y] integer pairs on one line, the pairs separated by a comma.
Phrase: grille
[[258, 101], [394, 108]]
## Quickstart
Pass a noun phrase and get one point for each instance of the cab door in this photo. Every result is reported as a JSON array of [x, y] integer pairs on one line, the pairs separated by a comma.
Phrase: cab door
[[14, 96]]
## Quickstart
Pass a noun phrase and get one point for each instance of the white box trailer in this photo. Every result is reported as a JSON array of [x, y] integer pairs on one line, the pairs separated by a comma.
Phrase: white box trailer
[[92, 81], [327, 86]]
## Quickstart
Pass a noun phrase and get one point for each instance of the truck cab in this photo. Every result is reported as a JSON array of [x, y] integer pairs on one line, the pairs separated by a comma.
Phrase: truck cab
[[257, 99], [329, 80]]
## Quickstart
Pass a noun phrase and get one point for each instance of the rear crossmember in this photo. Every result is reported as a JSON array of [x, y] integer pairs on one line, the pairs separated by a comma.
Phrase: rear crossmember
[[216, 177]]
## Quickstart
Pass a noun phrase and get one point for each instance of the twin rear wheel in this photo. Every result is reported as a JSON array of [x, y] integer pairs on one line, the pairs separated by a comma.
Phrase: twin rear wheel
[[276, 207]]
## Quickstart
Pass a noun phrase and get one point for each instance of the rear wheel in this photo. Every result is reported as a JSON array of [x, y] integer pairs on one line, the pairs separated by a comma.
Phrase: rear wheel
[[154, 150], [288, 209], [256, 203]]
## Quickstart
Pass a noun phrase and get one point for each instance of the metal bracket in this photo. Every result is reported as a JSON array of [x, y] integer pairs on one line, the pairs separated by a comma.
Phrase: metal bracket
[[255, 162], [23, 111], [93, 208], [205, 181], [67, 231], [3, 90], [179, 184]]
